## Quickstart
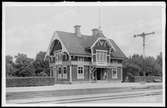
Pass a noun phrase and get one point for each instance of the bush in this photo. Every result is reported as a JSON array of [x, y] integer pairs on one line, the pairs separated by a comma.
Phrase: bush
[[29, 81]]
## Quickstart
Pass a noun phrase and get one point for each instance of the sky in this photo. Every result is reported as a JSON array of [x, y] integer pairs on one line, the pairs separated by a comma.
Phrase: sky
[[29, 29]]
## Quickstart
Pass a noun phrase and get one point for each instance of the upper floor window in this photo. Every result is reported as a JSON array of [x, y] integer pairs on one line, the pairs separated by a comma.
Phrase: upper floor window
[[74, 58], [65, 56], [58, 57], [101, 56], [80, 58]]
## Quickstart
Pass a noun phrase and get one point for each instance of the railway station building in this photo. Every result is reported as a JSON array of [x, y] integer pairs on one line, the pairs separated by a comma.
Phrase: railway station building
[[75, 57]]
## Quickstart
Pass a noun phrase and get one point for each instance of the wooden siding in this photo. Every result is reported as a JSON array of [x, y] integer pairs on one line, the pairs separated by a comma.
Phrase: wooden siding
[[86, 73], [110, 74], [56, 72], [74, 72]]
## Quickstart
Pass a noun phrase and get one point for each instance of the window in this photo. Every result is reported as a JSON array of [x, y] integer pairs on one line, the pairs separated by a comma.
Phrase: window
[[65, 56], [58, 57], [80, 58], [101, 56], [59, 73], [54, 60], [65, 73], [80, 73], [114, 73], [51, 59]]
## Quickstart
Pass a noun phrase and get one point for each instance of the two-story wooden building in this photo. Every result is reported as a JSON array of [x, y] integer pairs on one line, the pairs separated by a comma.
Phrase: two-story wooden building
[[75, 57]]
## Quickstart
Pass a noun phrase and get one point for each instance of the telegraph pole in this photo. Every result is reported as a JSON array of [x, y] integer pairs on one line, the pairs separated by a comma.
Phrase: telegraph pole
[[143, 35], [100, 17]]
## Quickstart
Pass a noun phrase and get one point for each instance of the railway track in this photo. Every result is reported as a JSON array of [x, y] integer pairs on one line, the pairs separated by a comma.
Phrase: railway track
[[89, 98], [60, 93], [105, 98]]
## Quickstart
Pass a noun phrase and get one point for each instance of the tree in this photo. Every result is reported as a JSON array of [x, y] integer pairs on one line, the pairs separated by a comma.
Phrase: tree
[[24, 66], [133, 66], [41, 65], [159, 59], [158, 65], [149, 63], [9, 66]]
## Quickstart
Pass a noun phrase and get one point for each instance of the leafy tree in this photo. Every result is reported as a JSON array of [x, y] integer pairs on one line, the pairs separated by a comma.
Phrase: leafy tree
[[41, 65], [9, 66], [158, 65], [24, 66], [159, 59], [149, 64], [133, 66]]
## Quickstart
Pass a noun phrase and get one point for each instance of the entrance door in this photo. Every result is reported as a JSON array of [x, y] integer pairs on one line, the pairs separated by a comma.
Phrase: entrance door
[[98, 74]]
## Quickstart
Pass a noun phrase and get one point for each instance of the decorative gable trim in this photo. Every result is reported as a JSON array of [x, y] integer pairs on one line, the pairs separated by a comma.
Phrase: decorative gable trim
[[54, 37], [103, 39]]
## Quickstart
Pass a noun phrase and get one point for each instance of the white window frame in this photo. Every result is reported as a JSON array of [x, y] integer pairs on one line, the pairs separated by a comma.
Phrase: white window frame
[[114, 76], [65, 74], [79, 75], [101, 58]]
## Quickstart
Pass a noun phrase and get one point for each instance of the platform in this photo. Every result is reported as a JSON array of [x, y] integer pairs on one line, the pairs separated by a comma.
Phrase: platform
[[78, 86]]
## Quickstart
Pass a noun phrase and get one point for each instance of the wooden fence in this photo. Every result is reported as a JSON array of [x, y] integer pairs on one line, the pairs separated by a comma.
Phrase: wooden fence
[[148, 78]]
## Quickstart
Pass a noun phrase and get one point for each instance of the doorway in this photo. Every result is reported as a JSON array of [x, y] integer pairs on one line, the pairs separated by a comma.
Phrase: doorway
[[98, 74]]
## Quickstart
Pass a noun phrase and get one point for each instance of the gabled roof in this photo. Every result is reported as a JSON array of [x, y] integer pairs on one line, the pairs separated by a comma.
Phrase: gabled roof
[[118, 52], [77, 45]]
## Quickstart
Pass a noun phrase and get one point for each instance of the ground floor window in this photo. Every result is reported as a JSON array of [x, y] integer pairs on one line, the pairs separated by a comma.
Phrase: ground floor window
[[51, 72], [65, 73], [114, 73], [59, 73], [80, 73]]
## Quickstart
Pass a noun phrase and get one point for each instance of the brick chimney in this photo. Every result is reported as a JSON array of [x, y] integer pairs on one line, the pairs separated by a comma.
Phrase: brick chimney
[[95, 31], [77, 30]]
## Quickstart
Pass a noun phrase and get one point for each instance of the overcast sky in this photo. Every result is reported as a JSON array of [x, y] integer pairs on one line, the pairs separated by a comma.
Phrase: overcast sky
[[28, 29]]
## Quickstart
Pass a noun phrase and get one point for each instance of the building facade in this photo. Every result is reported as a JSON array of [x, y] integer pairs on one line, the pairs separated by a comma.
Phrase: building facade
[[75, 57]]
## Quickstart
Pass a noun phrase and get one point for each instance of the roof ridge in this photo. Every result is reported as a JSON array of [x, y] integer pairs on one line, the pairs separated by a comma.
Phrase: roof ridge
[[74, 33]]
